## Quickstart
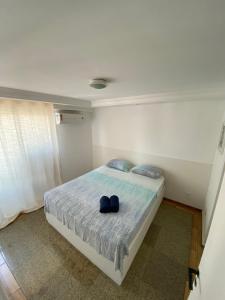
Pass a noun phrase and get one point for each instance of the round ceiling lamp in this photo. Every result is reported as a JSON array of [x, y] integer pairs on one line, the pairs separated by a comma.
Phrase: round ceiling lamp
[[98, 83]]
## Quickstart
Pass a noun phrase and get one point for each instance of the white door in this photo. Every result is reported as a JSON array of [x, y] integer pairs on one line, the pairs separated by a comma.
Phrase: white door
[[213, 189], [211, 282]]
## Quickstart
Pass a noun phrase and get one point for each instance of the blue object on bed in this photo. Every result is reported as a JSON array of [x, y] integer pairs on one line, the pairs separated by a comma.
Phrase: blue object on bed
[[147, 170], [114, 203], [105, 204], [120, 164]]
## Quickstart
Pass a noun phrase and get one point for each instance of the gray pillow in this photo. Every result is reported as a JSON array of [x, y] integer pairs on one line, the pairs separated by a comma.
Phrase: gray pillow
[[147, 170], [120, 164]]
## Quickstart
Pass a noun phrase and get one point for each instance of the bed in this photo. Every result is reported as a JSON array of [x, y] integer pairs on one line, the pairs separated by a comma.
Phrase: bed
[[111, 240]]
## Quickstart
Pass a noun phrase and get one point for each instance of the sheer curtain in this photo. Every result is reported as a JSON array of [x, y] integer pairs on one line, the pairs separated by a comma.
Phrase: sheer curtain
[[28, 156]]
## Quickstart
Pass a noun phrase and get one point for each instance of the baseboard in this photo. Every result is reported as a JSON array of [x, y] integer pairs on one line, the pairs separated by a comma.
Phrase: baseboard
[[181, 205]]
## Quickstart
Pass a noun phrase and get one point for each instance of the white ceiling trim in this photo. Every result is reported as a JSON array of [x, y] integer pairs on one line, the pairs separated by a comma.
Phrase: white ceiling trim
[[162, 98], [16, 94]]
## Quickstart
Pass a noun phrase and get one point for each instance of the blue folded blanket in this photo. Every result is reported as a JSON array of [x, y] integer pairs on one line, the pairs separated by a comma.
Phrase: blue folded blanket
[[109, 204]]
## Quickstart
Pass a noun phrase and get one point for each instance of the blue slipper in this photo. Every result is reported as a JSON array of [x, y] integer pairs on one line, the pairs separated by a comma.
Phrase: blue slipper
[[114, 203], [105, 205]]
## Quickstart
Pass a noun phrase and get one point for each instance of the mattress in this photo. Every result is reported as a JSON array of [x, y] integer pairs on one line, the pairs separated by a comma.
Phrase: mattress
[[76, 205]]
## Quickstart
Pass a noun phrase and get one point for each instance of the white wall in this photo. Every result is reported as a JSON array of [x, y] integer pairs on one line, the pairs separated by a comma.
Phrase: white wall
[[75, 147], [180, 137], [213, 188], [210, 284]]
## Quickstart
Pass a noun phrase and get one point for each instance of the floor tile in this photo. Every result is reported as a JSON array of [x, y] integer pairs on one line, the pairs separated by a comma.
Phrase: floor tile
[[17, 295], [46, 266], [7, 280]]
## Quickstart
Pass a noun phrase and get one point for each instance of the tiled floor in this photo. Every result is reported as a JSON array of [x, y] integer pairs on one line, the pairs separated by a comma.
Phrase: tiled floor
[[2, 294], [9, 288], [46, 266]]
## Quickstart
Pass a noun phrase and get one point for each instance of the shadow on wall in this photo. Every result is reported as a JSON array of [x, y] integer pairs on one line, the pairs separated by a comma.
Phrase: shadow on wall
[[75, 147]]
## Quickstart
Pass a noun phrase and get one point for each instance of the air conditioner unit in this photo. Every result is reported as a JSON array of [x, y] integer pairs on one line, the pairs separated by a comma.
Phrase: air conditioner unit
[[68, 116]]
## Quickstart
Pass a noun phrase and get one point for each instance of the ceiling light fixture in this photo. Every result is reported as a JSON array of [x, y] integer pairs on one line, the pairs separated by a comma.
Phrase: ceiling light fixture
[[98, 83]]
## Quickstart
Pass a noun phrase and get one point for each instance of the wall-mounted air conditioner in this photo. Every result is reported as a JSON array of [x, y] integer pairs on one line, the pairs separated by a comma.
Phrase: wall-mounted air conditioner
[[68, 116]]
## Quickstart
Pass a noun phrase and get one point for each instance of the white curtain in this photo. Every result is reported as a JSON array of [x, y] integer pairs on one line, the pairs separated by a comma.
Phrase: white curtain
[[28, 156]]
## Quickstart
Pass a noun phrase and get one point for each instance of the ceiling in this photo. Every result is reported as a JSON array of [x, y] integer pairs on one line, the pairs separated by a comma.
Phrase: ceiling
[[141, 46]]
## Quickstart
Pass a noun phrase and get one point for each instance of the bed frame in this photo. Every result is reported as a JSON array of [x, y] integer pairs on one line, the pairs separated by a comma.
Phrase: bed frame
[[100, 261]]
